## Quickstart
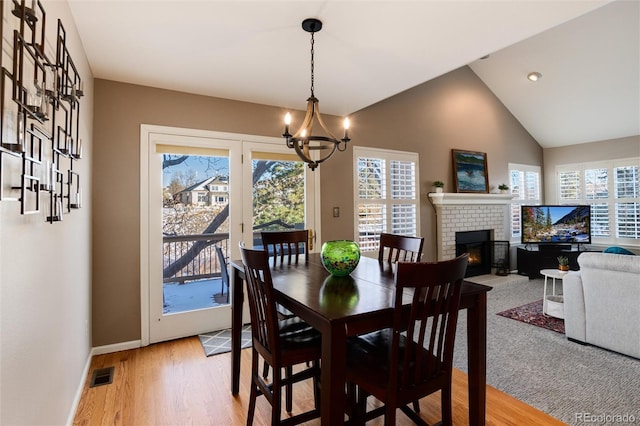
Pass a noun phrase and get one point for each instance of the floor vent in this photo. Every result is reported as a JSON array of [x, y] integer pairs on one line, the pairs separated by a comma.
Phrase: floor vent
[[102, 376]]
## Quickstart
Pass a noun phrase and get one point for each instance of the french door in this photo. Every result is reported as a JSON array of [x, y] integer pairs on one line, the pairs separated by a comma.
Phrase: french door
[[205, 189]]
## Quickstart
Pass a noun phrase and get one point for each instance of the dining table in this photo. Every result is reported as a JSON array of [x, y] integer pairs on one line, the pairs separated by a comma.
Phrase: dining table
[[351, 305]]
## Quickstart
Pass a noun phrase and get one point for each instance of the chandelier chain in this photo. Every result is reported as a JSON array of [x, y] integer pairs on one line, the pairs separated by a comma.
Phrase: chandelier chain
[[312, 63]]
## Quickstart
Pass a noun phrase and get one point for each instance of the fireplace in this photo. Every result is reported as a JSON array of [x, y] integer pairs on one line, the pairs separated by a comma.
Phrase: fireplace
[[478, 245], [458, 212]]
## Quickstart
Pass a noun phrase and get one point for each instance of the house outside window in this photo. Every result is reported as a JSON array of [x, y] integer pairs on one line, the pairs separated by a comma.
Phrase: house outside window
[[386, 195], [612, 189], [524, 182]]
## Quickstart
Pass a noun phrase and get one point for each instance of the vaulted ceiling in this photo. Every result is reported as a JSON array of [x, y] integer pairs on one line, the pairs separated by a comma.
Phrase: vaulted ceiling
[[256, 51]]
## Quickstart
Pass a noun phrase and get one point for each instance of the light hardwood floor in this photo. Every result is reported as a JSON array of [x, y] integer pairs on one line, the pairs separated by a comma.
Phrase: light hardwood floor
[[173, 383]]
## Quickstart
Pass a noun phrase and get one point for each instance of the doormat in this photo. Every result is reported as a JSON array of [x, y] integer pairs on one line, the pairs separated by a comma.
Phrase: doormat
[[531, 313], [219, 342]]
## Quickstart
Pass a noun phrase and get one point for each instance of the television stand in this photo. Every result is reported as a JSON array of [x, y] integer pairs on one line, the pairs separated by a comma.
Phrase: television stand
[[555, 247], [530, 261]]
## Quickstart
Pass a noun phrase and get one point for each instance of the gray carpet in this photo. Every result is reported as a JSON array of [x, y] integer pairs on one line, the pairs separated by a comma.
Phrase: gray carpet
[[542, 368]]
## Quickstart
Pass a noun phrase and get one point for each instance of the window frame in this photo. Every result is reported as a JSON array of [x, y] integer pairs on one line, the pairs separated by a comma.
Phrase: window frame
[[388, 200]]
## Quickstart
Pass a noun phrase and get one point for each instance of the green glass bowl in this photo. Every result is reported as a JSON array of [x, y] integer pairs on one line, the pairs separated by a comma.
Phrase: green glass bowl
[[340, 257]]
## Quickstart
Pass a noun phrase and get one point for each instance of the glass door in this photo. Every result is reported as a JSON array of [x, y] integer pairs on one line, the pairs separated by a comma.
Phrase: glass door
[[197, 193], [283, 195], [195, 220], [191, 209]]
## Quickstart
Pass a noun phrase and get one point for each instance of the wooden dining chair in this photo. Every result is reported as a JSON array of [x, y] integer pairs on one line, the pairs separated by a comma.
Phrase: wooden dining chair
[[224, 271], [281, 245], [286, 243], [282, 344], [396, 248], [413, 358]]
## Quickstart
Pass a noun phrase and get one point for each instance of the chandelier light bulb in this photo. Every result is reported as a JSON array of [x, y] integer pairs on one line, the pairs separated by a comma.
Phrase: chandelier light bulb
[[287, 119]]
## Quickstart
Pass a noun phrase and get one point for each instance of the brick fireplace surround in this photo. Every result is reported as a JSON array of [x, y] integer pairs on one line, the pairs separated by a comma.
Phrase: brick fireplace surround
[[469, 212]]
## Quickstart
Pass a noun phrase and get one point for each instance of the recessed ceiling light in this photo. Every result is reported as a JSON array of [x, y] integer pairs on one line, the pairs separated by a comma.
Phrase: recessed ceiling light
[[534, 76]]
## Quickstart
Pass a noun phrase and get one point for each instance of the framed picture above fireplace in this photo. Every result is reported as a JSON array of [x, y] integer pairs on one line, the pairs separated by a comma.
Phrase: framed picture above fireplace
[[470, 171]]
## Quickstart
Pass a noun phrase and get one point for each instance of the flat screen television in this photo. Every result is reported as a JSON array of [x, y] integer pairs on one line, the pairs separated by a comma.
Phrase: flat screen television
[[548, 224]]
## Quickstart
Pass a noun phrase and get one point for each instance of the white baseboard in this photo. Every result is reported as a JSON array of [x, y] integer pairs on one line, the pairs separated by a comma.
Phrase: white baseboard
[[116, 347], [76, 399]]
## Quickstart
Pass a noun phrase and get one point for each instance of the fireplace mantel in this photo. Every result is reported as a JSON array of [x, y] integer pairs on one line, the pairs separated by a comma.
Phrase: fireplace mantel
[[455, 198]]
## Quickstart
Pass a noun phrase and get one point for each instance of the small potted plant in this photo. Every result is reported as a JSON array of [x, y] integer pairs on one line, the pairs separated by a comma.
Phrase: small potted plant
[[503, 188], [438, 184], [563, 263]]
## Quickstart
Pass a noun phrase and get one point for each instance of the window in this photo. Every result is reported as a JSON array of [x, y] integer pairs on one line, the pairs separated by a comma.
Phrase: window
[[612, 190], [525, 188], [386, 194]]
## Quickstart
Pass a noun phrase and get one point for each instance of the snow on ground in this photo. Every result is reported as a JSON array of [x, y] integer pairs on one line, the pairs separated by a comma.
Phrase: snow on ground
[[193, 295]]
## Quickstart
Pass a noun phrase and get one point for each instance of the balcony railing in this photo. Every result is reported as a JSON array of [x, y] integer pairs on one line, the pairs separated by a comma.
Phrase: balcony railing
[[192, 257]]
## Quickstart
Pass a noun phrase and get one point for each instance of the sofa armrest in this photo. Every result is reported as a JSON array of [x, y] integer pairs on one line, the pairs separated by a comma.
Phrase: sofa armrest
[[575, 320]]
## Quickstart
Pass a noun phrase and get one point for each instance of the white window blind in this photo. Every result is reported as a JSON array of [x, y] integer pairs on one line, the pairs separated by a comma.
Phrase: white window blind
[[525, 188], [627, 204], [611, 188], [386, 194], [569, 189]]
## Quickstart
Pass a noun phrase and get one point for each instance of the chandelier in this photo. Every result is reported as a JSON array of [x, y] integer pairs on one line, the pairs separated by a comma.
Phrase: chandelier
[[303, 140]]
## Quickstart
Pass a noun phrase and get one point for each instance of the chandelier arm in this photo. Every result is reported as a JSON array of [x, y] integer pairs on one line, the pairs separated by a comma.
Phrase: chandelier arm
[[305, 148], [326, 157], [307, 158], [324, 126], [307, 122], [312, 163]]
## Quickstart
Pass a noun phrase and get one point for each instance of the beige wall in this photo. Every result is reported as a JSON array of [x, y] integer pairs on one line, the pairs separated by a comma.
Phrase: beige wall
[[453, 111], [45, 278], [611, 149]]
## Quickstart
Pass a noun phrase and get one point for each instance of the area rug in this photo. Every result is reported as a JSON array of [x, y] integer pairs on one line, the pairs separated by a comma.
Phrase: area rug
[[531, 313], [219, 342]]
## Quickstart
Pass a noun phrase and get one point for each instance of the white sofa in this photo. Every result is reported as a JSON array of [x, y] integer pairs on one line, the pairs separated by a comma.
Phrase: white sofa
[[602, 302]]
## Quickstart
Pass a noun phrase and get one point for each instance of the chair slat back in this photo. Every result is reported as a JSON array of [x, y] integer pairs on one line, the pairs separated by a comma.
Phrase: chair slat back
[[262, 305], [289, 243], [430, 323], [400, 248]]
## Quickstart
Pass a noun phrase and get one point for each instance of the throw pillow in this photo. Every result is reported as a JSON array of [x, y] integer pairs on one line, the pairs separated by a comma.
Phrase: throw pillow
[[618, 250]]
